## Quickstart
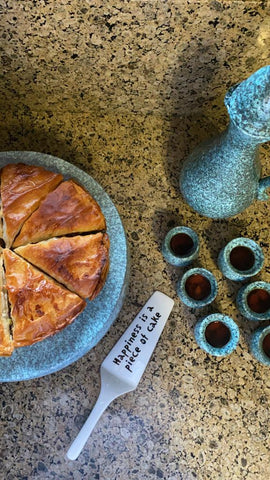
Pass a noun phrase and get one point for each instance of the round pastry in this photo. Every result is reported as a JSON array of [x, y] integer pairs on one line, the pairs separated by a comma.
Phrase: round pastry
[[56, 253]]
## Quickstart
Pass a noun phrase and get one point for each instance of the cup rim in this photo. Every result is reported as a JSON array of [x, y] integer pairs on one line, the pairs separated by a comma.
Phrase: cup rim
[[188, 231], [253, 246], [229, 347], [243, 305], [257, 339], [169, 255]]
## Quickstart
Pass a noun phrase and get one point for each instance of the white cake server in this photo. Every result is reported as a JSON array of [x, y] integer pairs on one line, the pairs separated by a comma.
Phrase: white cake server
[[123, 367]]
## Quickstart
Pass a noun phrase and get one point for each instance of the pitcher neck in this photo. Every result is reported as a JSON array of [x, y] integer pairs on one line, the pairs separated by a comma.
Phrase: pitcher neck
[[236, 134]]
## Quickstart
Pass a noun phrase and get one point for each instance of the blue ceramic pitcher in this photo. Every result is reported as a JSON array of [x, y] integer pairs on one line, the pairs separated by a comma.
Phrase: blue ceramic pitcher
[[221, 178]]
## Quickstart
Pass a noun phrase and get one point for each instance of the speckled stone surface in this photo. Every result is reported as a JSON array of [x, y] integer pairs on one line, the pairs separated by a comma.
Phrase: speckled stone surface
[[126, 90]]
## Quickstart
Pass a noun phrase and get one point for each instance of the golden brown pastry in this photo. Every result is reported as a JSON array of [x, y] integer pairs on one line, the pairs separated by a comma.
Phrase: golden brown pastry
[[68, 209], [80, 263], [6, 342], [23, 187], [39, 306]]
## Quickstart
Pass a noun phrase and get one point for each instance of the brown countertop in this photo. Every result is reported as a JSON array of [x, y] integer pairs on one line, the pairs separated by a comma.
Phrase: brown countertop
[[125, 90]]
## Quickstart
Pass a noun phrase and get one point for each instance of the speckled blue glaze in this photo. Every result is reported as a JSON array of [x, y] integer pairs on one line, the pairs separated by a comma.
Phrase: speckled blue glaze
[[169, 255], [186, 299], [67, 346], [241, 301], [232, 273], [256, 342], [199, 332], [221, 178]]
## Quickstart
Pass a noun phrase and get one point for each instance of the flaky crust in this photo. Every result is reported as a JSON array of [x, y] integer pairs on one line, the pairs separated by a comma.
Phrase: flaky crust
[[67, 210], [40, 307], [80, 263], [23, 187]]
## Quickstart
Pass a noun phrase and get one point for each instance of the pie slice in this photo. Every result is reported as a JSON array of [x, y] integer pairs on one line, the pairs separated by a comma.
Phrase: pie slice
[[23, 187], [80, 263], [67, 210], [6, 342], [39, 306]]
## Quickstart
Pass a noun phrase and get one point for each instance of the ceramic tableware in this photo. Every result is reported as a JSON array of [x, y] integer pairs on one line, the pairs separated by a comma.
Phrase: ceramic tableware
[[217, 334], [180, 246], [197, 288], [221, 178], [253, 301], [260, 345], [240, 259]]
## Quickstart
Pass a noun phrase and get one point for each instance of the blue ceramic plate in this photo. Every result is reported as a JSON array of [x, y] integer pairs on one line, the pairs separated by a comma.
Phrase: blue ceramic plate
[[67, 346]]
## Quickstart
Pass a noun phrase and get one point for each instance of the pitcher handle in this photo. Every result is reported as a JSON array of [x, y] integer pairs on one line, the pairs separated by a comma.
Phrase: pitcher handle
[[264, 184]]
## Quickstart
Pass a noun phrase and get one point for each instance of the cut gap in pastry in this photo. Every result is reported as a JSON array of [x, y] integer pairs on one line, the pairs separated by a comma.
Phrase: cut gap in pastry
[[23, 187], [40, 307], [80, 263], [66, 210], [6, 326], [2, 243]]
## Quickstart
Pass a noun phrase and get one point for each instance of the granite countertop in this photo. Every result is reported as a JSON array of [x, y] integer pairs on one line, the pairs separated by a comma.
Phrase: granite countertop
[[125, 90]]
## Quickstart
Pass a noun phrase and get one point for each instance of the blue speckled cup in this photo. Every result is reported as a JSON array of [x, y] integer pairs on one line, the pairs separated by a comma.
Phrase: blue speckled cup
[[253, 301], [260, 343], [180, 246], [217, 334], [240, 259], [195, 291]]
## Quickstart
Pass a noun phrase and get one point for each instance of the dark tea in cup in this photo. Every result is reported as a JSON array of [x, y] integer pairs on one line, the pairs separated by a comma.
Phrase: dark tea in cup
[[258, 300], [198, 287], [266, 345], [242, 258], [217, 334], [181, 244]]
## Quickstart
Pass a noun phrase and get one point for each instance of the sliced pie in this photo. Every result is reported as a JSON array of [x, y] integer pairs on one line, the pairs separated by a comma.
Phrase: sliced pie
[[39, 306], [6, 342], [80, 263], [23, 187], [67, 210]]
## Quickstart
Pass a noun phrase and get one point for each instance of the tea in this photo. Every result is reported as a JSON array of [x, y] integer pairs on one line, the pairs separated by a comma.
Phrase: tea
[[242, 258], [258, 300], [266, 345], [198, 287], [217, 334], [181, 244]]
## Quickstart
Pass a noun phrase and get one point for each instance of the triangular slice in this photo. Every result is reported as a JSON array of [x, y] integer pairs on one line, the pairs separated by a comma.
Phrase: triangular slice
[[39, 306], [80, 263], [23, 187], [68, 209], [6, 342]]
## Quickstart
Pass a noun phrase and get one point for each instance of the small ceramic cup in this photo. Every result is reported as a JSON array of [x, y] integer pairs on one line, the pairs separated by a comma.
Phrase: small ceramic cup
[[217, 334], [253, 301], [240, 259], [197, 288], [260, 345], [180, 246]]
